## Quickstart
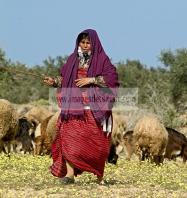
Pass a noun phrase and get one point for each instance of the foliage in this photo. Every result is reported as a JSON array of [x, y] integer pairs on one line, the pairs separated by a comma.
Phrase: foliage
[[177, 63], [162, 90]]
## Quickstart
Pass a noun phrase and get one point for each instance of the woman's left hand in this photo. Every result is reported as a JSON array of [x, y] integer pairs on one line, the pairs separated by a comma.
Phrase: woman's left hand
[[84, 81]]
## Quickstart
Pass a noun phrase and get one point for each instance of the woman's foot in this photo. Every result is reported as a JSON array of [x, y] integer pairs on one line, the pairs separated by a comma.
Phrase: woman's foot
[[67, 180], [100, 180]]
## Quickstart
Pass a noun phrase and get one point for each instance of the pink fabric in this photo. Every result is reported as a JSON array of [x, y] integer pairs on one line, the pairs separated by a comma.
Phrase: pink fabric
[[100, 65]]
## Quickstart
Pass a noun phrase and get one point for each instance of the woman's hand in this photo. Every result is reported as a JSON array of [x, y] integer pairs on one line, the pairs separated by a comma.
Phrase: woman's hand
[[48, 80], [84, 81]]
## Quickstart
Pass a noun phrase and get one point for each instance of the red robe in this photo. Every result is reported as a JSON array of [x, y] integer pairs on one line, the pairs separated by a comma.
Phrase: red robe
[[81, 142]]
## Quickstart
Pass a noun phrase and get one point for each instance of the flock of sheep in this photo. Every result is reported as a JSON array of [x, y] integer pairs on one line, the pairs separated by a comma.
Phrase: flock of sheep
[[33, 129], [149, 140]]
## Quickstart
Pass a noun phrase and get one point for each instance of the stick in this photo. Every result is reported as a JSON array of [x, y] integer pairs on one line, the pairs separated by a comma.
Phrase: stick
[[22, 72]]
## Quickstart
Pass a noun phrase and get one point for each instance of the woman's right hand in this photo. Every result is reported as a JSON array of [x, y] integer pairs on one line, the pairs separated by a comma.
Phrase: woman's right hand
[[48, 80]]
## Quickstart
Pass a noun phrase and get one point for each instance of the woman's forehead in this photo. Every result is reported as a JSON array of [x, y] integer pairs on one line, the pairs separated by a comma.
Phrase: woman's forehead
[[85, 40]]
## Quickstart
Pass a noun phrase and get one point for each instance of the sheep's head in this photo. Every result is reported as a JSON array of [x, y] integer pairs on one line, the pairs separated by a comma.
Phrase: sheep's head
[[128, 137], [113, 157]]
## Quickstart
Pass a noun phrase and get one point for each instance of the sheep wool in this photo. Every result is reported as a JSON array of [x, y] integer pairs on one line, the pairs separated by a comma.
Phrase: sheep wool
[[8, 119], [150, 136], [38, 114], [52, 126], [119, 127]]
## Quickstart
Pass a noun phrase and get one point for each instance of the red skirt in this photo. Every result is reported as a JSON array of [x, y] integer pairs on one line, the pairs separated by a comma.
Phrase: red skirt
[[82, 143]]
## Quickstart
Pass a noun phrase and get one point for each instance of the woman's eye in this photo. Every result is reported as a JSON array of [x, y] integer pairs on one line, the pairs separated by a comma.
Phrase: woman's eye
[[84, 42]]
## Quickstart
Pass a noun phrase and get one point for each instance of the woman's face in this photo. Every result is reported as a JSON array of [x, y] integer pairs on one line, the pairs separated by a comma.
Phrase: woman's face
[[85, 45]]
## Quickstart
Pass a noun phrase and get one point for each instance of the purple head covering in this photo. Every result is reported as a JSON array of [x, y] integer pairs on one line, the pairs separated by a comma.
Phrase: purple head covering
[[100, 65]]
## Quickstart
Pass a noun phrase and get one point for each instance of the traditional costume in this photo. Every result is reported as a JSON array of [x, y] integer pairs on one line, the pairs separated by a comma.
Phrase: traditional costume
[[83, 138]]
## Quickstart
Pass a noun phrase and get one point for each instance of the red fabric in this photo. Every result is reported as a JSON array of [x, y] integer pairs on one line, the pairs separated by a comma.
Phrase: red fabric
[[81, 74], [81, 142]]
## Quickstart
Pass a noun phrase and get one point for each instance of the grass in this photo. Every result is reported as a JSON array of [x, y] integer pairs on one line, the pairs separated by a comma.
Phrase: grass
[[29, 176]]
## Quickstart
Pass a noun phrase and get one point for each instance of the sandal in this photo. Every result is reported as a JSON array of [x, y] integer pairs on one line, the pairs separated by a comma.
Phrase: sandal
[[67, 180]]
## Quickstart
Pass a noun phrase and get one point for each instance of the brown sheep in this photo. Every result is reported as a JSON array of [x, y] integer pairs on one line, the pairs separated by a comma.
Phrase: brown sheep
[[41, 136], [177, 145], [119, 126], [48, 132], [38, 114], [184, 153], [150, 139]]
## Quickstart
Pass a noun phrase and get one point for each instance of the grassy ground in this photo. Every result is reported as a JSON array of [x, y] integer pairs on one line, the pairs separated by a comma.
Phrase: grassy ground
[[28, 176]]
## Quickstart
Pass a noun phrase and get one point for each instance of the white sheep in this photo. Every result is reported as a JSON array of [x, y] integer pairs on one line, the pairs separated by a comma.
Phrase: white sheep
[[150, 139], [8, 122]]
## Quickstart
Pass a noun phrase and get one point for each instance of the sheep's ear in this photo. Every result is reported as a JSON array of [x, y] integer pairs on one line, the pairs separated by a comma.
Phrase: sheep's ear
[[34, 122]]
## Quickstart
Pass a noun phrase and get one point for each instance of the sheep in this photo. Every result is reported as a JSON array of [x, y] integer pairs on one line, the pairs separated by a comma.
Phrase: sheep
[[8, 123], [23, 137], [113, 156], [176, 146], [150, 139], [13, 130], [52, 127], [38, 114], [23, 109], [40, 136], [119, 126], [48, 130], [184, 153], [128, 143]]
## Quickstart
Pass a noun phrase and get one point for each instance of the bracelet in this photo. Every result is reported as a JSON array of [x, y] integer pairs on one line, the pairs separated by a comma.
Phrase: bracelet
[[92, 80], [57, 81], [55, 84]]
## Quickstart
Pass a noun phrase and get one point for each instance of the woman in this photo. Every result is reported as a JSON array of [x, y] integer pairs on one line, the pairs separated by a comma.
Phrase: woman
[[88, 89]]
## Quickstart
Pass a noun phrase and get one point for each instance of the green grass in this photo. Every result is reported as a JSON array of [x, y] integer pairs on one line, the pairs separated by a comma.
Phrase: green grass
[[29, 176]]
